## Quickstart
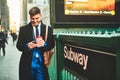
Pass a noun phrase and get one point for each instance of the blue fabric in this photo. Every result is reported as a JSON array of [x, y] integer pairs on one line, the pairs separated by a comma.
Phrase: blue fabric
[[27, 47], [37, 65], [45, 44]]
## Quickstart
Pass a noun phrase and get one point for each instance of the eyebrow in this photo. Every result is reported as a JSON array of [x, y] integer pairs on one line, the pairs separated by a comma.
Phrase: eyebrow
[[34, 18]]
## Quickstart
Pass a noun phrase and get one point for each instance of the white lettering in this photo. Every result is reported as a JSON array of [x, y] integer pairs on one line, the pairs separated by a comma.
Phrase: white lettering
[[65, 51], [76, 57], [80, 59], [85, 61]]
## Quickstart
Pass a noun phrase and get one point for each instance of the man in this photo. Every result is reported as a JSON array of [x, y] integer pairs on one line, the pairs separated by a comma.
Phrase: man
[[3, 40], [14, 36], [31, 65]]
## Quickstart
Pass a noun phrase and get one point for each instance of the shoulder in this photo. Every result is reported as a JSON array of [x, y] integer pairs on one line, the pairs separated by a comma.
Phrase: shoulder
[[25, 27], [50, 28], [43, 26]]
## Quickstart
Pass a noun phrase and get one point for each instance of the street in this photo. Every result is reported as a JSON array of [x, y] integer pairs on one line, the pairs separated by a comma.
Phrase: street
[[9, 64]]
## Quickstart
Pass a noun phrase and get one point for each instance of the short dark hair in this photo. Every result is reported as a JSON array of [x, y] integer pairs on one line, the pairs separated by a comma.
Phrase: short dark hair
[[34, 10]]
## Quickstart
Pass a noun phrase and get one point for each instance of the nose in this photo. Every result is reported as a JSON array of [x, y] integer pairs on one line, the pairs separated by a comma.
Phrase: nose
[[34, 20]]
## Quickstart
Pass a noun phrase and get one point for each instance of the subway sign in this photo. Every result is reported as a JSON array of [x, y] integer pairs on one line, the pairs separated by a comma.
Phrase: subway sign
[[90, 63]]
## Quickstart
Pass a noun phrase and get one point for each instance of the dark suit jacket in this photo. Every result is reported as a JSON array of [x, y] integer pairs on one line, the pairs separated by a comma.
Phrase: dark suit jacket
[[26, 36], [3, 40]]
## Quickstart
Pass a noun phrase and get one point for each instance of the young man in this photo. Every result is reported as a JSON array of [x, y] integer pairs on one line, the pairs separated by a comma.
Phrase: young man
[[31, 65]]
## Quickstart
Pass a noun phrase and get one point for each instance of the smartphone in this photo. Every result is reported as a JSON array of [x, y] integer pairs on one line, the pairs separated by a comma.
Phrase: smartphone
[[34, 42]]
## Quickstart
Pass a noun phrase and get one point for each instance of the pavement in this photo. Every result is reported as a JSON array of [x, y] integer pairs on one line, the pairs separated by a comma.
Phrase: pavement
[[9, 64]]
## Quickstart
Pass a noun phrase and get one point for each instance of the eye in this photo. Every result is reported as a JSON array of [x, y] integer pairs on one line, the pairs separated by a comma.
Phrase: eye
[[37, 18]]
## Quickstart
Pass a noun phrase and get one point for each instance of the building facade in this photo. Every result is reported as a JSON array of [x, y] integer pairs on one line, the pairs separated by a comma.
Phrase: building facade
[[4, 15]]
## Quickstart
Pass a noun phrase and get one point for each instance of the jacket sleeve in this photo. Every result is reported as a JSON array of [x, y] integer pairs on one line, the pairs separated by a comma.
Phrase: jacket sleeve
[[21, 43]]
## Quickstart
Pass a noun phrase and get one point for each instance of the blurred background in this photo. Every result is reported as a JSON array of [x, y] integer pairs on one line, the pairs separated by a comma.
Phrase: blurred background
[[93, 38], [14, 13]]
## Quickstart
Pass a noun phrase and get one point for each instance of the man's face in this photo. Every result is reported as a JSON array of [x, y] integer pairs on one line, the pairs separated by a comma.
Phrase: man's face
[[35, 19]]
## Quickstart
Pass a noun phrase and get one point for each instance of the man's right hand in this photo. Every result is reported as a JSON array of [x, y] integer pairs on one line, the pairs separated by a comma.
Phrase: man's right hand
[[31, 45]]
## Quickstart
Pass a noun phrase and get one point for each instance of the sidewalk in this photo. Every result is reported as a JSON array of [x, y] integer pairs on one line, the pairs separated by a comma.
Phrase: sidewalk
[[9, 64]]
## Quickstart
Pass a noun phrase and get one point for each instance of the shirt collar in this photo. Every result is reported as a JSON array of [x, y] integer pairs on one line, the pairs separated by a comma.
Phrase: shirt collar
[[38, 25]]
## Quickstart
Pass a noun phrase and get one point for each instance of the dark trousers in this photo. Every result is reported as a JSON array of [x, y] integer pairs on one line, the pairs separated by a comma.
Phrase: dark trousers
[[45, 73], [3, 50]]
